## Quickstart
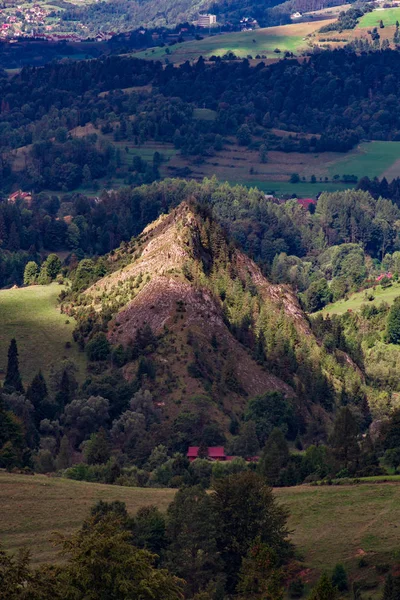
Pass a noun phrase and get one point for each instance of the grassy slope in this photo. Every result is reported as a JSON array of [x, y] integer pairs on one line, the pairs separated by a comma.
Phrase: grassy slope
[[341, 524], [31, 316], [370, 158], [356, 300], [330, 524], [389, 16], [285, 37], [34, 506]]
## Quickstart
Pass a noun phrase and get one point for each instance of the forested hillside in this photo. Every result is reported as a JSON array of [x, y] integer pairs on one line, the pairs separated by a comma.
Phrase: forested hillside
[[327, 103], [124, 15], [143, 315]]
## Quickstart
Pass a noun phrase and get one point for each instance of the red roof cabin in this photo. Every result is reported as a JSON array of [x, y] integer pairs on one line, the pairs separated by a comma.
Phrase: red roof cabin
[[305, 202], [213, 453]]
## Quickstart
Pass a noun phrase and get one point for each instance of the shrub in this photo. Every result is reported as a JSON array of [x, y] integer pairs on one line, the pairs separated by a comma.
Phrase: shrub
[[296, 589], [98, 348], [339, 578]]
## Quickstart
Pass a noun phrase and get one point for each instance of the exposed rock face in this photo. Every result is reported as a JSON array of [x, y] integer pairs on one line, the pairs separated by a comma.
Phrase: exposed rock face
[[176, 278]]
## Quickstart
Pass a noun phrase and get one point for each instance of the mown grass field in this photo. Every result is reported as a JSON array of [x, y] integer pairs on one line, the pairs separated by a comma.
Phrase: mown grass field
[[32, 316], [356, 300], [287, 38], [389, 16], [32, 507], [330, 524], [370, 158]]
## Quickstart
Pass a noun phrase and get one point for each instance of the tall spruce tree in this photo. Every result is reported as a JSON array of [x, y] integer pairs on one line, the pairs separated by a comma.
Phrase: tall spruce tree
[[37, 395], [324, 590], [344, 440], [64, 394], [274, 457], [192, 531], [247, 510], [13, 381]]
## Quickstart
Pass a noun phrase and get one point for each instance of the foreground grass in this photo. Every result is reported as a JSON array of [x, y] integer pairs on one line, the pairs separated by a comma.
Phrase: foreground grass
[[32, 316], [343, 524], [32, 507], [356, 300], [329, 524]]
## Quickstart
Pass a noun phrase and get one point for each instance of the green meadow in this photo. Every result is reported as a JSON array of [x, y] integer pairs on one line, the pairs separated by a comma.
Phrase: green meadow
[[32, 316], [286, 38], [356, 300], [329, 524], [370, 158], [389, 16]]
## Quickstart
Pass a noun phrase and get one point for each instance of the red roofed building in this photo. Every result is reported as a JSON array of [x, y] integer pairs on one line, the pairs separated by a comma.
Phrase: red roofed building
[[213, 453], [19, 195], [388, 275], [305, 202]]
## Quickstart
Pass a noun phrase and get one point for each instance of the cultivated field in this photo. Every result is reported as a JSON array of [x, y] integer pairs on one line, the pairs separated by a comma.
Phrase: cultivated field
[[31, 315], [336, 39], [330, 524], [237, 164], [286, 38], [356, 300]]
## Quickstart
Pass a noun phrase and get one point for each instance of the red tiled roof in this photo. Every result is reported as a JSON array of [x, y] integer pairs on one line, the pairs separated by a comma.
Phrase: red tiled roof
[[213, 451], [305, 202]]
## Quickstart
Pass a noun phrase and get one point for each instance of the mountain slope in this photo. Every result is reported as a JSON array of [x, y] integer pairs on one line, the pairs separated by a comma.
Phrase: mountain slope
[[197, 317]]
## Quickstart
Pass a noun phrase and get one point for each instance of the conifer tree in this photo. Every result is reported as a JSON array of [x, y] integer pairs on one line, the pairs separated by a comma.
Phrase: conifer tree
[[324, 590], [37, 394], [13, 381], [344, 440], [275, 456], [339, 578], [388, 590], [64, 394], [203, 450], [192, 531]]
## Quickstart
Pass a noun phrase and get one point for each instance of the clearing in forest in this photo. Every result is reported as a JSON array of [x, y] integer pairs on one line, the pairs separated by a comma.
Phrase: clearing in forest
[[356, 300]]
